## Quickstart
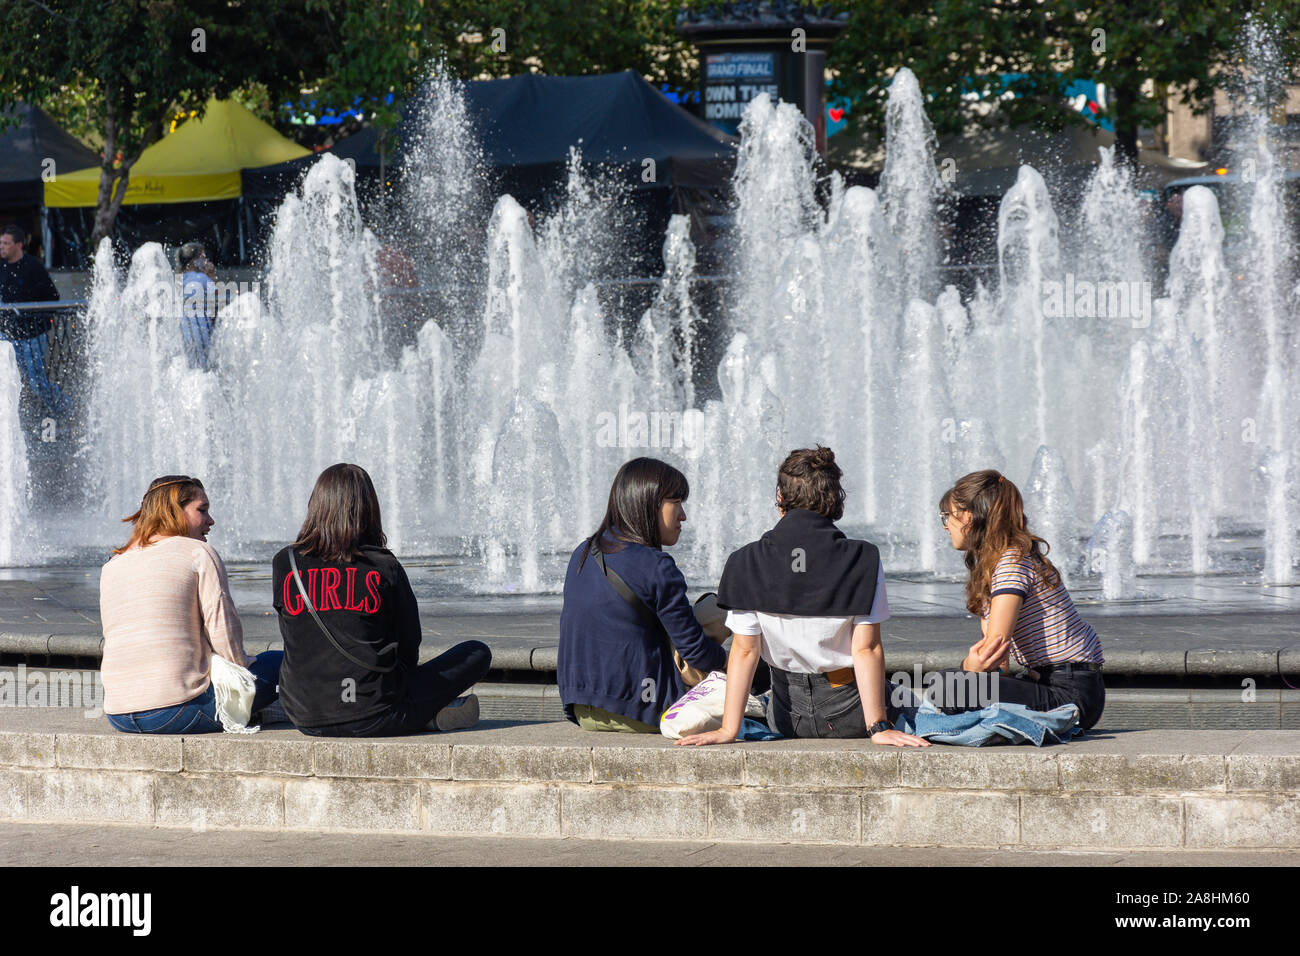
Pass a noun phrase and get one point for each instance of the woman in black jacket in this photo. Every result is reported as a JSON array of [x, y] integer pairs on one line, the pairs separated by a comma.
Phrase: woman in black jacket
[[351, 627]]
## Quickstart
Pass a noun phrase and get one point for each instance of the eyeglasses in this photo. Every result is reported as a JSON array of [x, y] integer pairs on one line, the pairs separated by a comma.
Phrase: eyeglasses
[[943, 517]]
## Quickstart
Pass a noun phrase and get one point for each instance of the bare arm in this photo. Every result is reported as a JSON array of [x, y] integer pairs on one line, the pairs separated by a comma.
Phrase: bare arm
[[869, 672], [990, 653], [741, 666]]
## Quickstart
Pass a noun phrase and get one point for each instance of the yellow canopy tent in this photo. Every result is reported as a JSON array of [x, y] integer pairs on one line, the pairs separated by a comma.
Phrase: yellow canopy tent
[[199, 162]]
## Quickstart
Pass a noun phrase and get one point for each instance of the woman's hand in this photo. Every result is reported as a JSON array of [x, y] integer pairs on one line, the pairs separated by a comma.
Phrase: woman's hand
[[896, 738], [712, 737], [987, 654]]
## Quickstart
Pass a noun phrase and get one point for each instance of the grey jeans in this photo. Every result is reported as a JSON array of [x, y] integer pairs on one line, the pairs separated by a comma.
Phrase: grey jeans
[[806, 705]]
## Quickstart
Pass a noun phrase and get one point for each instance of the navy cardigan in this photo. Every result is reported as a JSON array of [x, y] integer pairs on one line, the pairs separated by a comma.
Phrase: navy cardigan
[[608, 658]]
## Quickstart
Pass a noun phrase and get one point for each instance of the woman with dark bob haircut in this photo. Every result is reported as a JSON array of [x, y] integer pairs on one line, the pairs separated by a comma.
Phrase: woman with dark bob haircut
[[351, 627], [615, 668]]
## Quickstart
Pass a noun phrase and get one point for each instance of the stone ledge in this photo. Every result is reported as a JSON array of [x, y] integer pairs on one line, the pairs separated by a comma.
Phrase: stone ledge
[[1155, 789], [1270, 657], [889, 817], [1210, 762]]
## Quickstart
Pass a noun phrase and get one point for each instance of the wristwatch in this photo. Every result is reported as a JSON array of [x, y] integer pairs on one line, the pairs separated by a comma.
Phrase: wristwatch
[[878, 726]]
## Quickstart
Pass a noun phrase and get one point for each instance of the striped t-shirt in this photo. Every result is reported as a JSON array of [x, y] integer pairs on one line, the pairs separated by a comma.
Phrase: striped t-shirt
[[1048, 629]]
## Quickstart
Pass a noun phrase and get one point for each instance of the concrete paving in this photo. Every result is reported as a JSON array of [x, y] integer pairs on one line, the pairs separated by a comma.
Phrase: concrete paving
[[1207, 628], [117, 845]]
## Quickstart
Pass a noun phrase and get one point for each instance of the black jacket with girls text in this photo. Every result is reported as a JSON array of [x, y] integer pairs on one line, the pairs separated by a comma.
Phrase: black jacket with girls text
[[369, 608]]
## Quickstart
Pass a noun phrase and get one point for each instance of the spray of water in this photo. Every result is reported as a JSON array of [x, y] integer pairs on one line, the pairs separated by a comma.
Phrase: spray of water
[[494, 433], [14, 528]]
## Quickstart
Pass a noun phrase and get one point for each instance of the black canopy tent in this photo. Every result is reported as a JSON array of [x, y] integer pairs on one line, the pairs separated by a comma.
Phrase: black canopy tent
[[31, 151], [529, 122], [274, 182], [526, 125]]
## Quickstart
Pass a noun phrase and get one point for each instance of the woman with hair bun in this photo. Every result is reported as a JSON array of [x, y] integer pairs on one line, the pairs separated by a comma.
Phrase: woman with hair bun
[[165, 604], [1023, 606], [809, 601]]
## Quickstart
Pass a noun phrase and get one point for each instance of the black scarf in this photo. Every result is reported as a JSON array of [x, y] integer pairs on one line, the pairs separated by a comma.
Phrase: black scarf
[[805, 566]]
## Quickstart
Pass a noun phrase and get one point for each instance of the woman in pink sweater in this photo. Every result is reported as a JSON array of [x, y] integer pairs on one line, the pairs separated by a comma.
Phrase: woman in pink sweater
[[165, 605]]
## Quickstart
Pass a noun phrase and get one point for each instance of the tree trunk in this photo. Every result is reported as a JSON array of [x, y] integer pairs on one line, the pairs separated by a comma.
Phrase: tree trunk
[[105, 211], [1126, 126], [113, 181]]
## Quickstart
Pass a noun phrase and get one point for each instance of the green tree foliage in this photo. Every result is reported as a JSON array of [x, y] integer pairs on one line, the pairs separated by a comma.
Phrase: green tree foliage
[[125, 68], [380, 48], [965, 51]]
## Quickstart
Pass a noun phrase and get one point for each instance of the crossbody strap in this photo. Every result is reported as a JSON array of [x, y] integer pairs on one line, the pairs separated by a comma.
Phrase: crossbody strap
[[648, 617], [337, 646]]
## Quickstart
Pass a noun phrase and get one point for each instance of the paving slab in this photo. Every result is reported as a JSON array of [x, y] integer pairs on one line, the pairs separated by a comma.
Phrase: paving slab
[[118, 845]]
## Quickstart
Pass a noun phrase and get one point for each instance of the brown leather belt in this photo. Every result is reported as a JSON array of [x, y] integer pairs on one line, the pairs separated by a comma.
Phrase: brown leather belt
[[839, 678]]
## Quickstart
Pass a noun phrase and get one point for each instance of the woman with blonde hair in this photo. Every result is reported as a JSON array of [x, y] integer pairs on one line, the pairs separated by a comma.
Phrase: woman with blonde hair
[[1023, 606], [165, 604]]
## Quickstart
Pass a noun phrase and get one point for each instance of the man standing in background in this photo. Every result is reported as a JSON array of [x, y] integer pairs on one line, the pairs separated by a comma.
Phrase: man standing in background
[[23, 279]]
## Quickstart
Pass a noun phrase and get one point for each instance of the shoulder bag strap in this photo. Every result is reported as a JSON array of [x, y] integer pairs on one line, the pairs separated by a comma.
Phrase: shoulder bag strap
[[337, 646], [648, 617]]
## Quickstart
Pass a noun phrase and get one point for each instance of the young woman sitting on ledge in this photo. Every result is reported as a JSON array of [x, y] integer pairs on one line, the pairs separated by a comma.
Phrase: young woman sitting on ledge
[[166, 608], [615, 668], [351, 627], [810, 601], [1023, 606]]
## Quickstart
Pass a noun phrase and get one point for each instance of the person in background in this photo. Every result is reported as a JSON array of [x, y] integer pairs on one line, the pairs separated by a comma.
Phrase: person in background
[[23, 279], [166, 609], [351, 627], [399, 283], [198, 302]]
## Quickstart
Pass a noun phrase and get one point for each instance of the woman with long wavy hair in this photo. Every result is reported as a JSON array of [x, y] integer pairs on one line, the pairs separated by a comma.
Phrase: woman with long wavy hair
[[1023, 606], [166, 608]]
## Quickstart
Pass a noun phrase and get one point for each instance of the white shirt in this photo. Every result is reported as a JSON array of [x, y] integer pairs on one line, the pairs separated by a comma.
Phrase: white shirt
[[809, 645]]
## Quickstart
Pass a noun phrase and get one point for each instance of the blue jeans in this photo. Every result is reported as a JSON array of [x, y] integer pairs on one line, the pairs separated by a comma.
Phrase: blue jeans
[[808, 705], [31, 354], [1061, 684], [199, 714], [196, 333]]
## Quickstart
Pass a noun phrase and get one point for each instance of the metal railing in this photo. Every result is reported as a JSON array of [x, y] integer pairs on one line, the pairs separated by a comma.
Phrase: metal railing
[[66, 334]]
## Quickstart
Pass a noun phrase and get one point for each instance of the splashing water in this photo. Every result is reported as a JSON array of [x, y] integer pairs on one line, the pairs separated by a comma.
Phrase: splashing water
[[13, 467], [495, 432]]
